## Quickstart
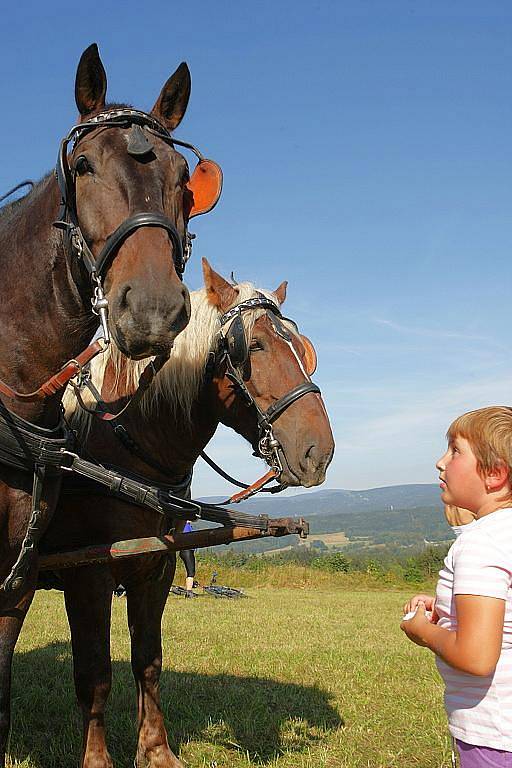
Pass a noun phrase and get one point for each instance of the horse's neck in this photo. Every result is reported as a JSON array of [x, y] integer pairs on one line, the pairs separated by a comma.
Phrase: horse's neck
[[44, 322], [163, 433]]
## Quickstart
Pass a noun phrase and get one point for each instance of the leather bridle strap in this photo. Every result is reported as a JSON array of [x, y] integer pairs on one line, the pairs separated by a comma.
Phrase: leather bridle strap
[[277, 408], [124, 230], [101, 263], [59, 380]]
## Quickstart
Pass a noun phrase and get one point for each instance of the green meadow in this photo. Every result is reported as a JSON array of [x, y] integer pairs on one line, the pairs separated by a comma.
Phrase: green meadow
[[310, 669]]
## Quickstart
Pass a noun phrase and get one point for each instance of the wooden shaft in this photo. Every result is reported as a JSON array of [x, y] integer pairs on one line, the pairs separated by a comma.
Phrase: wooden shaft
[[106, 553]]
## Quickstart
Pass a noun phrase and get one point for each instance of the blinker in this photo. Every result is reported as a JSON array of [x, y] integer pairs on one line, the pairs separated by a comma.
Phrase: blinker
[[203, 188], [310, 357], [237, 342]]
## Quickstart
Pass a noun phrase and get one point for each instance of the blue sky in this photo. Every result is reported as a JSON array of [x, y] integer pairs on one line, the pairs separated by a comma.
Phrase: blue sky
[[366, 148]]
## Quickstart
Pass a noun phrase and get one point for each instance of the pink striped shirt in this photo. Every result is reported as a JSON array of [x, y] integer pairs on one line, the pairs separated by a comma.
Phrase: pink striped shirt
[[479, 563]]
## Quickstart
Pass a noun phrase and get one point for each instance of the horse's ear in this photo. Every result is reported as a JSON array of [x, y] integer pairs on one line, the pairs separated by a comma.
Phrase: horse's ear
[[90, 82], [172, 102], [280, 292], [219, 292]]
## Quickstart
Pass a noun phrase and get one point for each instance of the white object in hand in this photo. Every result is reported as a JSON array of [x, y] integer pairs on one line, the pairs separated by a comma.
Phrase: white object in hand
[[411, 615]]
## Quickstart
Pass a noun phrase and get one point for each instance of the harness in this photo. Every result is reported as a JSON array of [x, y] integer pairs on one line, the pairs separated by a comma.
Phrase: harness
[[163, 498]]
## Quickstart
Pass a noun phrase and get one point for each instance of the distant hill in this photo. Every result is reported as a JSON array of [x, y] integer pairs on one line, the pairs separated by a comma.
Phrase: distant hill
[[402, 515], [332, 502]]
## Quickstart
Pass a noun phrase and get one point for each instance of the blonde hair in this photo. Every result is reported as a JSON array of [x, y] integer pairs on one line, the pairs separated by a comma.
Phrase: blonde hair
[[181, 377], [489, 433]]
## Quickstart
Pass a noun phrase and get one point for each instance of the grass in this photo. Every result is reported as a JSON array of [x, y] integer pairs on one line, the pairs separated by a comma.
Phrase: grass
[[310, 670]]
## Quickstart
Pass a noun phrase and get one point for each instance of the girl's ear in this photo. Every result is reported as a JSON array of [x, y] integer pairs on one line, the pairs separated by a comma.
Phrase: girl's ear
[[497, 478]]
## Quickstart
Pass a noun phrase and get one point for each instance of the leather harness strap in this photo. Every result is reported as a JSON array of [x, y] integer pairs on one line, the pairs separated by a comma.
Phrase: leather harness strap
[[145, 379], [59, 380]]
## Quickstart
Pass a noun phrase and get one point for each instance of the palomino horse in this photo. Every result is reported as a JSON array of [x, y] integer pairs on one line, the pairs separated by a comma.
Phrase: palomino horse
[[190, 396], [120, 201]]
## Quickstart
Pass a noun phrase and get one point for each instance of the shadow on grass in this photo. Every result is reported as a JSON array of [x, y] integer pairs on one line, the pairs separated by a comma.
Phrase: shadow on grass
[[256, 716]]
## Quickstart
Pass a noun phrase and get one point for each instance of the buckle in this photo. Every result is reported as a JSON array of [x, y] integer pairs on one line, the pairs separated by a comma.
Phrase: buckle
[[74, 456]]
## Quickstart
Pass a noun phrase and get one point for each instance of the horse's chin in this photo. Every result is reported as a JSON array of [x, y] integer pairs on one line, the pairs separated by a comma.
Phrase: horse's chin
[[288, 478], [139, 349], [307, 478]]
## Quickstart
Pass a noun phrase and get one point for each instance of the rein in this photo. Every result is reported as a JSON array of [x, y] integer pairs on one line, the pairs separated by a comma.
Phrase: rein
[[59, 380]]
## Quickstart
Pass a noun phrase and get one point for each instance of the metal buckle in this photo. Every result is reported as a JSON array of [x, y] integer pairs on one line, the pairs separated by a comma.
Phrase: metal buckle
[[76, 242], [65, 452], [187, 250]]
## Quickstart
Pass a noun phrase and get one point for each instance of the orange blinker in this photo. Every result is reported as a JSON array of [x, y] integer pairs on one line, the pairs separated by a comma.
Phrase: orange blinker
[[204, 187], [310, 359]]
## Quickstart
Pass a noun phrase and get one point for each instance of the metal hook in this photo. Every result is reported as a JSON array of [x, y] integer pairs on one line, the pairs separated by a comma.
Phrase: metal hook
[[100, 306]]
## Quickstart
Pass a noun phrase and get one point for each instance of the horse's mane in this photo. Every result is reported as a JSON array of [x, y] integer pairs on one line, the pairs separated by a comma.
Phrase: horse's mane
[[9, 210], [180, 379]]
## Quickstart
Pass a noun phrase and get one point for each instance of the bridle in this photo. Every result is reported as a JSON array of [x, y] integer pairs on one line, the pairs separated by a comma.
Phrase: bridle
[[139, 145], [235, 351]]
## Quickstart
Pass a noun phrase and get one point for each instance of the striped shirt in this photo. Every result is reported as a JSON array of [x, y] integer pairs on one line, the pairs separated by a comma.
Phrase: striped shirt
[[479, 562]]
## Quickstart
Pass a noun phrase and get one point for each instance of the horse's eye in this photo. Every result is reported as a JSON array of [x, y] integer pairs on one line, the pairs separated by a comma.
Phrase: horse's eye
[[255, 346], [82, 165]]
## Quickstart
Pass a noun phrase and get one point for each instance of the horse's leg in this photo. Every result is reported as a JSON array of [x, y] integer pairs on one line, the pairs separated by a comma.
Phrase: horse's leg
[[146, 601], [88, 595], [11, 622], [15, 512]]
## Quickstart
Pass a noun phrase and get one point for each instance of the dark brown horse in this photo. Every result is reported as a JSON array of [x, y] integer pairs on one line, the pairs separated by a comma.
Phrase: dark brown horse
[[171, 426], [122, 178]]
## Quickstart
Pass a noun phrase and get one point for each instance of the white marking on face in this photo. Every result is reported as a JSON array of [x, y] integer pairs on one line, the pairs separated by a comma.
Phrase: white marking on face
[[301, 366]]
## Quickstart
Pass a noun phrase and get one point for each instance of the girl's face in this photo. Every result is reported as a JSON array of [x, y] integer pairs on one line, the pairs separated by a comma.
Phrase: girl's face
[[461, 484]]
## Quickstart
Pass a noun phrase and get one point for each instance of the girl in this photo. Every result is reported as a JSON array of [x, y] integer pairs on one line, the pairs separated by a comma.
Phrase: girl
[[471, 627]]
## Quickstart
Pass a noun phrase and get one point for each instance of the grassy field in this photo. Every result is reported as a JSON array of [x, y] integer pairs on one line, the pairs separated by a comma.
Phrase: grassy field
[[309, 670]]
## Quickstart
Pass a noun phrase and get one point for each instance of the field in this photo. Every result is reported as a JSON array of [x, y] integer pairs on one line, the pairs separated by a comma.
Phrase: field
[[309, 670], [331, 540]]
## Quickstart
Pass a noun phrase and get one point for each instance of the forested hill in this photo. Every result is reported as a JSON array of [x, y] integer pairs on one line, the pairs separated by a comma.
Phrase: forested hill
[[395, 515], [327, 503]]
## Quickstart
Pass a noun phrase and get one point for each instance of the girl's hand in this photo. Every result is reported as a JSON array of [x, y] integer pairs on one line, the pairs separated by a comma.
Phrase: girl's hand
[[428, 601], [415, 628]]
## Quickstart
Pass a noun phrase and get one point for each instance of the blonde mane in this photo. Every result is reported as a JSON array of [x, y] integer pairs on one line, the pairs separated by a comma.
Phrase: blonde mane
[[180, 379]]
